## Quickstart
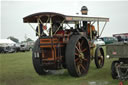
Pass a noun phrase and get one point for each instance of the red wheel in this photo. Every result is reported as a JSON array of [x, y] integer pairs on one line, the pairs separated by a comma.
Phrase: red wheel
[[77, 56]]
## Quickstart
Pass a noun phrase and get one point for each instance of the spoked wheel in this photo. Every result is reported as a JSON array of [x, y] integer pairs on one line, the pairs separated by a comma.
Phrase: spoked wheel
[[99, 57], [37, 61], [77, 56]]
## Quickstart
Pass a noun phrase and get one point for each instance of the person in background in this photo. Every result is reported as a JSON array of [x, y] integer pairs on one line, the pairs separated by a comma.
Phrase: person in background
[[41, 28], [93, 31], [84, 11], [55, 27], [86, 26]]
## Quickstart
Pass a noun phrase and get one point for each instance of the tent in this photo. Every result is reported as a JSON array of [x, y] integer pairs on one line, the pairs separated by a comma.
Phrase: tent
[[6, 42]]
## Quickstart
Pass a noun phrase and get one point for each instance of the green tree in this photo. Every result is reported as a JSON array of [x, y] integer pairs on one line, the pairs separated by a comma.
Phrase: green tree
[[29, 39], [13, 39]]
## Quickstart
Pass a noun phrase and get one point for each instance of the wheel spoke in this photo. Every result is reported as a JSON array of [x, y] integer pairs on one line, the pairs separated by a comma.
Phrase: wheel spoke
[[77, 49], [85, 59], [77, 59], [84, 50], [79, 45], [82, 42], [99, 53], [100, 62], [100, 59], [78, 67], [77, 54], [83, 67]]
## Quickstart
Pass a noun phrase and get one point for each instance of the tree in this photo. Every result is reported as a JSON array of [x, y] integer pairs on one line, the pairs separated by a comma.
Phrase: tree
[[13, 39], [29, 39]]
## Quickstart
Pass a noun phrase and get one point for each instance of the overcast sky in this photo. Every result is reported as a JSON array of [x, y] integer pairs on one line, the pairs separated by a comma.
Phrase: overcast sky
[[12, 13]]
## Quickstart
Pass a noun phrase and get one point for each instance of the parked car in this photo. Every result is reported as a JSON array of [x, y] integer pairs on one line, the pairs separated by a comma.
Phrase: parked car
[[7, 49], [1, 49], [17, 47], [24, 47], [109, 40], [99, 42], [7, 46]]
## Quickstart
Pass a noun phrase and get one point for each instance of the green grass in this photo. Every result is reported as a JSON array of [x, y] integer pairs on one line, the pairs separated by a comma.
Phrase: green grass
[[17, 69]]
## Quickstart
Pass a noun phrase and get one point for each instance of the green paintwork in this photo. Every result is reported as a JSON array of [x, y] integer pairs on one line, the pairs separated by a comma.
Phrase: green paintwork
[[118, 50]]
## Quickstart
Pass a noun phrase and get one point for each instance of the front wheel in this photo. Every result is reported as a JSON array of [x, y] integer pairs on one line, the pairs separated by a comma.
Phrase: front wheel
[[99, 57], [77, 56]]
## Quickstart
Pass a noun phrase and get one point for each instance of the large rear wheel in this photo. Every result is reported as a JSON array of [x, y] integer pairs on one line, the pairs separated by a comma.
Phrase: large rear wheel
[[77, 56], [37, 60]]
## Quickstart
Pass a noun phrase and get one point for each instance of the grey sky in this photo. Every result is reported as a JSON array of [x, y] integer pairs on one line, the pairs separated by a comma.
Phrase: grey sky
[[12, 13]]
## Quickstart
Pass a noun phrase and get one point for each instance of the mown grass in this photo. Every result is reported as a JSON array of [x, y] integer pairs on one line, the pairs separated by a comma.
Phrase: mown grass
[[17, 69]]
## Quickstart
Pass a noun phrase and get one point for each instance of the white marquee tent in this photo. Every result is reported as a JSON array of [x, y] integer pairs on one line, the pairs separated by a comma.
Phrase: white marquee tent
[[5, 42]]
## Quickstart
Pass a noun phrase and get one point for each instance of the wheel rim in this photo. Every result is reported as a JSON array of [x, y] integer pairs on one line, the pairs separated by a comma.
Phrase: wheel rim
[[81, 59]]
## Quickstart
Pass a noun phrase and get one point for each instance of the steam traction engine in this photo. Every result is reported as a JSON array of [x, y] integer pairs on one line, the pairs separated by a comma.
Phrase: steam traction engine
[[65, 43]]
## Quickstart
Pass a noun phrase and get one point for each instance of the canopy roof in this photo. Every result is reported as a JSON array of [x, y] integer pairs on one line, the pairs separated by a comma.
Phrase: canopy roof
[[57, 17], [6, 41]]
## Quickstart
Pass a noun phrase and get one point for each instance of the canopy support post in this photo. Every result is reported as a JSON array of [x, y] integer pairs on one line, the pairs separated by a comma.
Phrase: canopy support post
[[103, 29], [93, 23], [90, 31], [51, 27], [38, 20], [98, 28], [33, 28], [59, 27]]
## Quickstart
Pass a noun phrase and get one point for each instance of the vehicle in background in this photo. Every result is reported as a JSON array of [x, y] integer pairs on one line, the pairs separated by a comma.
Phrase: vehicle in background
[[7, 46], [1, 49], [7, 49], [122, 37], [17, 47], [109, 40], [99, 42], [24, 47], [119, 67]]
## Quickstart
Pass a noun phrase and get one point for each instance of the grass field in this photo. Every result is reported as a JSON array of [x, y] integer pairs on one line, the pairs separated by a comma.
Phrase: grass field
[[17, 69]]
